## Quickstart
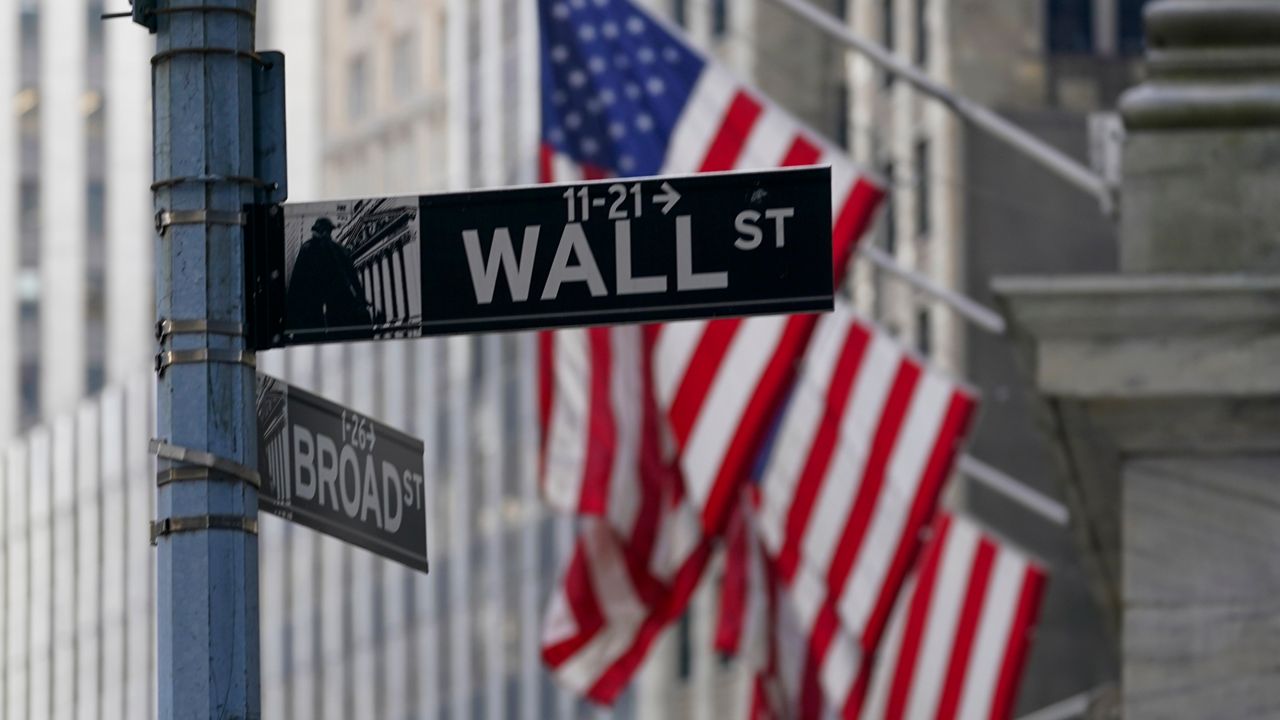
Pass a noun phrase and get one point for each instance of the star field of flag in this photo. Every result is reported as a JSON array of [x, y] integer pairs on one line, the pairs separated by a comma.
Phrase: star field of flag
[[615, 83]]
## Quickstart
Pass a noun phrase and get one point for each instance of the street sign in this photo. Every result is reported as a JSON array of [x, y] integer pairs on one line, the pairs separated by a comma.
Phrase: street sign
[[340, 472], [610, 251]]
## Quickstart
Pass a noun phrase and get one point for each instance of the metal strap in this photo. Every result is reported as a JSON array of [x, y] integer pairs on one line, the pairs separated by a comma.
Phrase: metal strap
[[203, 355], [202, 8], [185, 474], [165, 328], [170, 182], [165, 451], [167, 218], [169, 54], [170, 526]]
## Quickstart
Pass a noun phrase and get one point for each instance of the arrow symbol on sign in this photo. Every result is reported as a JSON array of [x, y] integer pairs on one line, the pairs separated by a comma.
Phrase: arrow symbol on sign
[[668, 198]]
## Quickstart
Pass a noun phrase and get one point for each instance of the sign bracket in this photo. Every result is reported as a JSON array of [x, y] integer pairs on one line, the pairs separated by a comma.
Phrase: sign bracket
[[204, 355], [168, 218], [165, 328], [209, 461], [193, 523]]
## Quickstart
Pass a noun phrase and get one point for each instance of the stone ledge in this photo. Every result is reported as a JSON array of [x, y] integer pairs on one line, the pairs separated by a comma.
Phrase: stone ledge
[[1147, 336]]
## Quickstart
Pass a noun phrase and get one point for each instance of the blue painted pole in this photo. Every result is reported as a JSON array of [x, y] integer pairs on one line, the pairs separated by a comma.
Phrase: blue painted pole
[[207, 563]]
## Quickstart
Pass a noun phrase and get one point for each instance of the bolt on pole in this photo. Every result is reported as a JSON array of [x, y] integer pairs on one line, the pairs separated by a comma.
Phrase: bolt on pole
[[206, 519]]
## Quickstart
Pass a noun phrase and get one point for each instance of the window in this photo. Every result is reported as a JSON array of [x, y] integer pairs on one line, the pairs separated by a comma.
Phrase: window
[[842, 114], [357, 88], [1129, 27], [886, 34], [30, 378], [720, 18], [1069, 27], [680, 12], [95, 377], [684, 651], [923, 181], [404, 64], [924, 332], [890, 224], [922, 33]]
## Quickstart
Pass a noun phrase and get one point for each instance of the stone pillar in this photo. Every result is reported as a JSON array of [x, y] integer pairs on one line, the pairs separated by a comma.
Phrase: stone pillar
[[1160, 385]]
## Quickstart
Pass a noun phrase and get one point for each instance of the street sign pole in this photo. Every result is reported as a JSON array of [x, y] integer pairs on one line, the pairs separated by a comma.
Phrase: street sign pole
[[206, 519]]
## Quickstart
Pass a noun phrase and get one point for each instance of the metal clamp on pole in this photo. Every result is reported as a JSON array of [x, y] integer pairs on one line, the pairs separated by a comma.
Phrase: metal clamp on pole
[[242, 12], [183, 179], [168, 218], [165, 328], [169, 54], [171, 526], [184, 474], [202, 459], [204, 355]]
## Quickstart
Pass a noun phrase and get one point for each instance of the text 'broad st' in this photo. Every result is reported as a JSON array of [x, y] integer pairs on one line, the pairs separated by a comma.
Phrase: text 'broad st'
[[339, 472]]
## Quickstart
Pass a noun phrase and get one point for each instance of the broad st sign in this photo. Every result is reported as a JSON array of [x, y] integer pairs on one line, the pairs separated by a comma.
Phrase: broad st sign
[[612, 251], [340, 472]]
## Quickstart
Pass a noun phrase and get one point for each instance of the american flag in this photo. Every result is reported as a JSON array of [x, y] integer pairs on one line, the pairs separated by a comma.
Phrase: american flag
[[955, 647], [624, 95], [958, 640], [649, 433], [640, 551], [867, 440]]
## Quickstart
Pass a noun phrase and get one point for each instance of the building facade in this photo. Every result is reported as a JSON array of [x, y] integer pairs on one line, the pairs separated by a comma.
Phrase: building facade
[[75, 258], [396, 97]]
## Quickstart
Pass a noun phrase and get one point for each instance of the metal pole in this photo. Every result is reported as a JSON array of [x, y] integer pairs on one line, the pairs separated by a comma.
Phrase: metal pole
[[1014, 489], [206, 528], [1054, 160], [972, 310]]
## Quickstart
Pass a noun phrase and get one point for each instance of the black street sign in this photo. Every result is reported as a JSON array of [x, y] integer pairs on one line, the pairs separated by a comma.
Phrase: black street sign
[[342, 473], [590, 253]]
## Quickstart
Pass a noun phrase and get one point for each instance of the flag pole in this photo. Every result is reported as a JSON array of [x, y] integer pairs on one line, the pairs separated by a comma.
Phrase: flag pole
[[1014, 489], [1073, 707], [972, 310], [981, 117]]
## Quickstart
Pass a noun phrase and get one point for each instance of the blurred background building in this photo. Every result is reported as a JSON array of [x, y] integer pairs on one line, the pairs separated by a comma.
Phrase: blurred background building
[[400, 96]]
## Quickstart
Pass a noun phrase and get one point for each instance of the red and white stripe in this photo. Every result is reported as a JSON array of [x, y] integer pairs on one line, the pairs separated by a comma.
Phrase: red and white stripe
[[727, 126], [721, 381], [592, 393], [640, 550], [957, 644], [866, 443], [610, 605], [793, 676]]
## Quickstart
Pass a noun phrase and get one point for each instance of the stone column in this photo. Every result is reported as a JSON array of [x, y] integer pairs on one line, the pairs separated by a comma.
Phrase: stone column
[[1160, 385]]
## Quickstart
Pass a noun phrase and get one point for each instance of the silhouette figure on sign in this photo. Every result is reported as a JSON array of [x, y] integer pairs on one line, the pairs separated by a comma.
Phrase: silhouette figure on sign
[[325, 292]]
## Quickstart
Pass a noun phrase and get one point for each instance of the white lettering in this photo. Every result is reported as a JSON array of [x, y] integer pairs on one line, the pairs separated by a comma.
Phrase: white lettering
[[391, 476], [574, 240], [746, 224], [349, 481], [686, 278], [779, 216], [327, 464], [369, 499], [304, 459], [628, 285], [484, 273]]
